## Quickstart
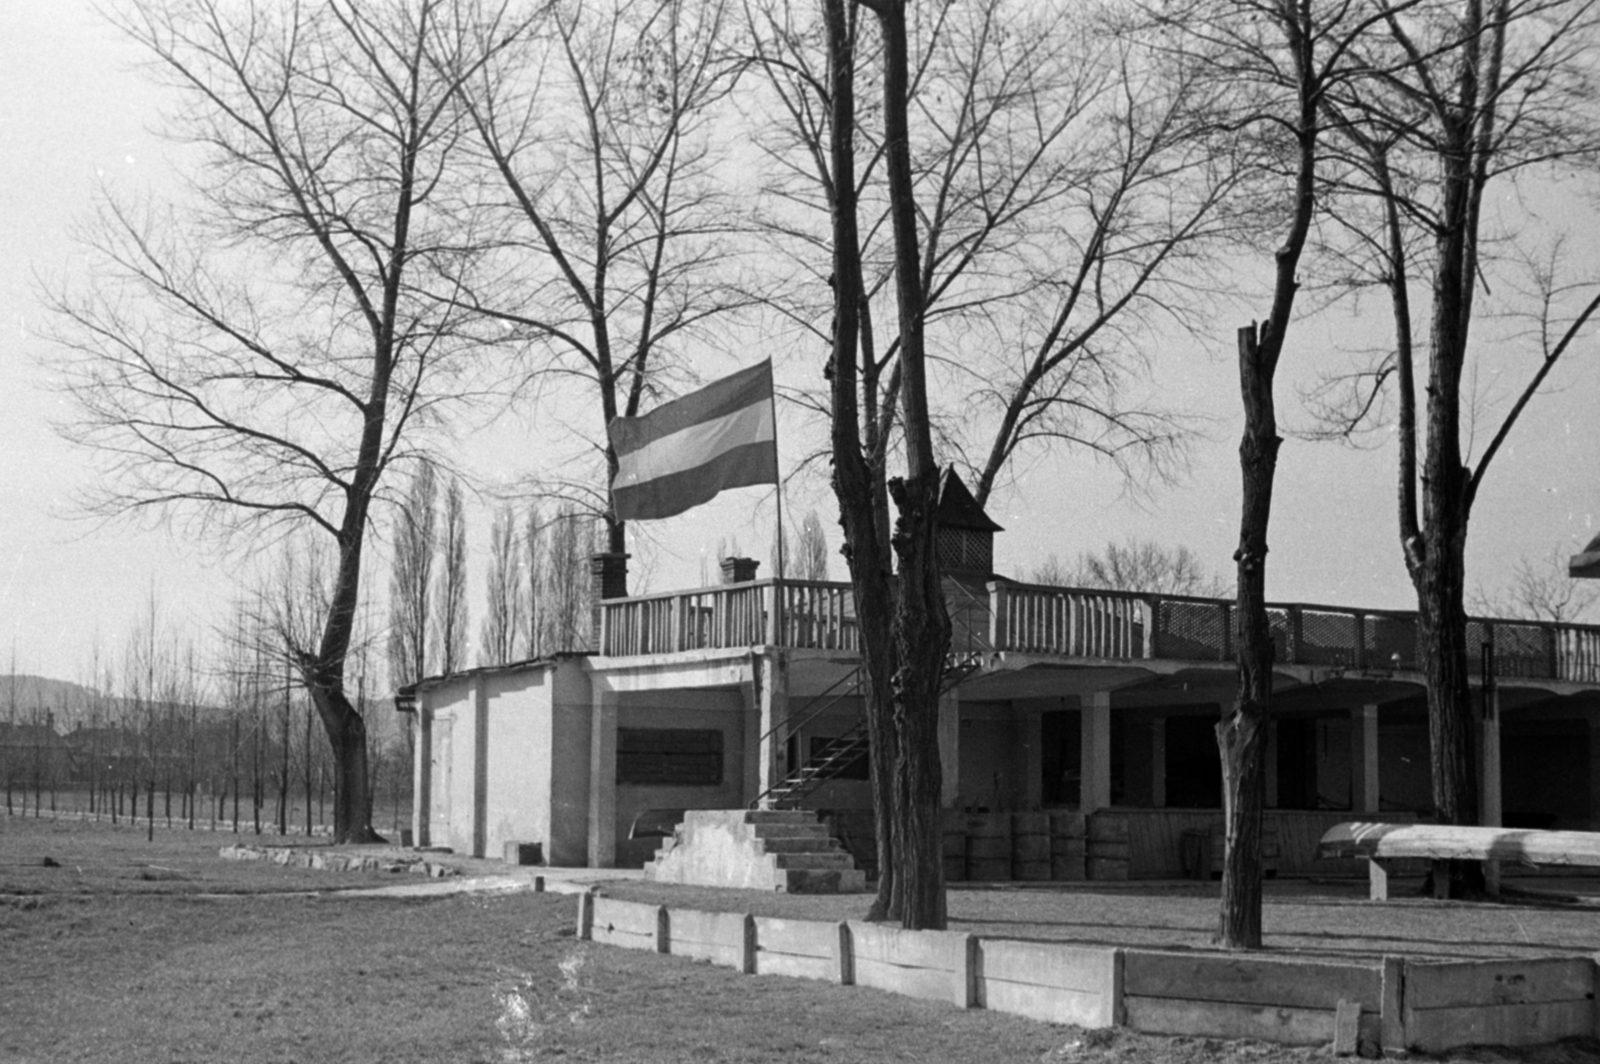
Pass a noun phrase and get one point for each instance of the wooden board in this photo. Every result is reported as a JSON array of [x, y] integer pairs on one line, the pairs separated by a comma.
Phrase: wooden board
[[1048, 1004], [1108, 827], [989, 847], [805, 949], [1252, 980], [1476, 984], [1069, 825], [633, 925], [1049, 964], [1030, 848], [1030, 823], [1213, 1019], [1436, 1030], [937, 965], [988, 870], [714, 937]]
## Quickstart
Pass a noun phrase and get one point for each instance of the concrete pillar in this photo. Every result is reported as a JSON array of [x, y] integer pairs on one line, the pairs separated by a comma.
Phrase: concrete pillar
[[753, 729], [1491, 792], [1158, 762], [422, 781], [1030, 758], [950, 748], [1594, 772], [1096, 734], [773, 693], [1491, 814], [1270, 783], [1364, 759], [603, 781], [480, 767]]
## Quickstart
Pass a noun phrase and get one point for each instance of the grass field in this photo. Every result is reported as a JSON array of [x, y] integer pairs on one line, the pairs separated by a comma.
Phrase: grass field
[[134, 951]]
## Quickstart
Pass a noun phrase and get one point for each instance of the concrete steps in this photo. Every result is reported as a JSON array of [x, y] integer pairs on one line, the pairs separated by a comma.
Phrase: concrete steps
[[761, 849]]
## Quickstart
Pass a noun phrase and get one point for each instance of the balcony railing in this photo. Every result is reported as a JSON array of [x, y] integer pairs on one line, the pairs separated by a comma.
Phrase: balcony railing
[[790, 613], [1088, 623]]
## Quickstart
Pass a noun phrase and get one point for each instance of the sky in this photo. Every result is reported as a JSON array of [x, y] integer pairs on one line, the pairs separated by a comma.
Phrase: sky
[[75, 114]]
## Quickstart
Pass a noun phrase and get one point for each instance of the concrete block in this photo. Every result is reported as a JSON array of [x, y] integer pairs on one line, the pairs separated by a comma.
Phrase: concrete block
[[585, 916], [1392, 1035], [927, 964], [710, 936], [633, 925], [1049, 982], [1252, 980], [1473, 984], [1215, 1019], [1438, 1030], [1346, 1027], [523, 853]]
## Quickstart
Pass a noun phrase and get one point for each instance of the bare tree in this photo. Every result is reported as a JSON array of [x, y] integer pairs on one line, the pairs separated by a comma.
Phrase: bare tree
[[1541, 589], [411, 579], [1138, 565], [1274, 63], [811, 554], [558, 582], [1069, 200], [502, 636], [601, 130], [258, 360], [450, 622], [1468, 95], [906, 630]]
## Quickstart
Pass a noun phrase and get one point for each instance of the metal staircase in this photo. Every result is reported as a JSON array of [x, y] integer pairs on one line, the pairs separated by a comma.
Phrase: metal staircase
[[843, 749]]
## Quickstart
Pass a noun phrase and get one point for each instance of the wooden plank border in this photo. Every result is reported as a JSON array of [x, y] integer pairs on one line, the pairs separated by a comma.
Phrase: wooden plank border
[[1398, 1003]]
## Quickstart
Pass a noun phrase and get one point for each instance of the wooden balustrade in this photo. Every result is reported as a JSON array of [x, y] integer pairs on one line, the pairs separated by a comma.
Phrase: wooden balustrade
[[792, 613], [1084, 623]]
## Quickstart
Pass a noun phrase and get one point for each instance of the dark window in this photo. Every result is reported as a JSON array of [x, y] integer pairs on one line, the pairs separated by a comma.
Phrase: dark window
[[855, 768], [672, 757]]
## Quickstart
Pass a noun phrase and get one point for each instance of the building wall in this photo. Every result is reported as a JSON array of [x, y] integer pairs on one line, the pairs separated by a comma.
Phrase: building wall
[[517, 761], [720, 709], [571, 732], [451, 765]]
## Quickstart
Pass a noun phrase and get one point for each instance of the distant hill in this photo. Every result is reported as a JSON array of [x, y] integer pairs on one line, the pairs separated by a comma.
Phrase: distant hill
[[21, 696]]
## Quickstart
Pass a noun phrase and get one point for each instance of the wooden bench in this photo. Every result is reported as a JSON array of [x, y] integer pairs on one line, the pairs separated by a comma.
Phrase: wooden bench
[[1380, 844]]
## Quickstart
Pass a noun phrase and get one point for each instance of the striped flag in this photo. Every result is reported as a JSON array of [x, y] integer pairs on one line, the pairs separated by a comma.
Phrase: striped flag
[[683, 453]]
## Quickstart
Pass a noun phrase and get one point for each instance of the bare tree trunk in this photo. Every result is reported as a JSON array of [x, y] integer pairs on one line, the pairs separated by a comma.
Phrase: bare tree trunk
[[921, 625], [922, 641], [866, 555], [1241, 736]]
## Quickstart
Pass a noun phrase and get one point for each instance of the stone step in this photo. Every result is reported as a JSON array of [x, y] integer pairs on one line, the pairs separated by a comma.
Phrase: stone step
[[838, 859], [799, 844], [812, 830], [821, 881], [780, 816]]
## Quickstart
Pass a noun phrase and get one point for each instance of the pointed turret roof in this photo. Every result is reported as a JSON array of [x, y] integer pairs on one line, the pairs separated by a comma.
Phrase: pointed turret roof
[[957, 507]]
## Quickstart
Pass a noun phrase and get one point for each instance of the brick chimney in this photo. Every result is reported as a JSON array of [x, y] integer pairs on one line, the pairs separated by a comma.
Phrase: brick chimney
[[608, 579], [739, 570]]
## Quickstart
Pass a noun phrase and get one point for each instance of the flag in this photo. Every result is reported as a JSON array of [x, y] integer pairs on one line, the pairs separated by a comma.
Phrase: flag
[[683, 453]]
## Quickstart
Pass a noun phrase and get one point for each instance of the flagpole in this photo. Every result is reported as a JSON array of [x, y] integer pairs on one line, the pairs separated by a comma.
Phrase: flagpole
[[783, 570]]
